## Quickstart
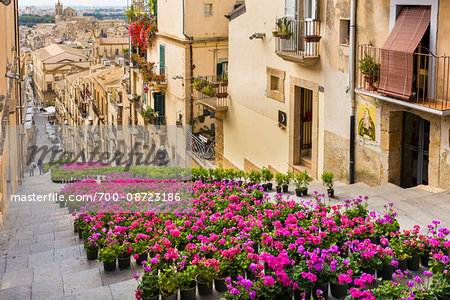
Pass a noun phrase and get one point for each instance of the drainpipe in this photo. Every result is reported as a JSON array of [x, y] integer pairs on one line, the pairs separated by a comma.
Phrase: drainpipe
[[352, 89], [191, 67]]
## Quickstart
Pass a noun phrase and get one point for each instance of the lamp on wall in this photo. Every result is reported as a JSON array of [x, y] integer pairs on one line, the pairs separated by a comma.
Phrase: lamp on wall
[[5, 2]]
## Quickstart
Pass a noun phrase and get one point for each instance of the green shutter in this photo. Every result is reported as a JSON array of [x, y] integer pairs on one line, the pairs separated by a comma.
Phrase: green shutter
[[160, 103], [219, 69], [162, 59]]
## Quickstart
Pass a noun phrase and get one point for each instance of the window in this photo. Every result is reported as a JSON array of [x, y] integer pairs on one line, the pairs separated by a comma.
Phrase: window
[[208, 9], [310, 9], [275, 84], [117, 51], [344, 32]]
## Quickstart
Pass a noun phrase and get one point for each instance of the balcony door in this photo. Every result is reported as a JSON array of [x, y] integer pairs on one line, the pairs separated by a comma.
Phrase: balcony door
[[415, 150]]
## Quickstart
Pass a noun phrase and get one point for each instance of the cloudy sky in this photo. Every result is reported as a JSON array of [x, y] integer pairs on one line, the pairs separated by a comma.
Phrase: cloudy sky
[[73, 3]]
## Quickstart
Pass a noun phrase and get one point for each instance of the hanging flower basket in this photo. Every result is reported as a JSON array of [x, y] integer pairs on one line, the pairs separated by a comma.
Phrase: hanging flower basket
[[284, 35], [312, 38]]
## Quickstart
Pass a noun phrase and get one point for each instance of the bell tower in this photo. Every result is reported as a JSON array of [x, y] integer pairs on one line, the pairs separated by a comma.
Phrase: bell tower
[[58, 9]]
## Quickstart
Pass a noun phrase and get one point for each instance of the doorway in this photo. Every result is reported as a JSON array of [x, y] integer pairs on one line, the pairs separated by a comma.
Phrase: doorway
[[415, 150], [303, 124]]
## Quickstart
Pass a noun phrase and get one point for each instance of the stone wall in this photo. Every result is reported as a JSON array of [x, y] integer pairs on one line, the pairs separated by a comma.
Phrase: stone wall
[[336, 157]]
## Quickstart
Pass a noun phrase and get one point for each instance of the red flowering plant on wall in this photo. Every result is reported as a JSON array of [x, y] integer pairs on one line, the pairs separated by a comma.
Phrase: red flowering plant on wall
[[143, 31]]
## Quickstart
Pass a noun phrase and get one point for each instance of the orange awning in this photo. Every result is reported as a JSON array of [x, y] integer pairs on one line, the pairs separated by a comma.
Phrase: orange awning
[[397, 53]]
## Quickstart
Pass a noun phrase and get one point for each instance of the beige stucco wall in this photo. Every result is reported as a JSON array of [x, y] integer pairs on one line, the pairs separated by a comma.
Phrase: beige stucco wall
[[248, 83]]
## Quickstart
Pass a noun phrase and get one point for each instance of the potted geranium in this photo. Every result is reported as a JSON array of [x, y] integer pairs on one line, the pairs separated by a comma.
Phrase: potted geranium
[[284, 31], [124, 255], [240, 176], [254, 177], [207, 269], [147, 288], [186, 282], [327, 179], [108, 256], [140, 249], [91, 246], [370, 71], [168, 283]]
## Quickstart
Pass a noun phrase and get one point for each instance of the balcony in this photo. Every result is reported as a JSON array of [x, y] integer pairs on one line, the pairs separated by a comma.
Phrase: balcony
[[212, 91], [159, 80], [298, 40], [429, 79]]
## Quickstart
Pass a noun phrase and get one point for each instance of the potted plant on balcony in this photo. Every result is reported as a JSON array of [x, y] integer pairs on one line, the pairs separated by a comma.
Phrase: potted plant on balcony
[[283, 26], [198, 84], [201, 118], [209, 90], [312, 38], [370, 71]]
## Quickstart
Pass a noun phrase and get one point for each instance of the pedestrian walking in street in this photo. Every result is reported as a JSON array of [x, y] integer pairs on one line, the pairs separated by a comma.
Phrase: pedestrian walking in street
[[41, 167], [32, 167]]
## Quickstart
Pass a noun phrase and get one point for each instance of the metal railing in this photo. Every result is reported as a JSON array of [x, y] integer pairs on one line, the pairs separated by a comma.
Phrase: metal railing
[[200, 149], [301, 37], [430, 77], [212, 91]]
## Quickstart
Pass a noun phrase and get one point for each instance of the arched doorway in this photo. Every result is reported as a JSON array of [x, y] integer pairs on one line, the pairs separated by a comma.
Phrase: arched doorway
[[415, 150]]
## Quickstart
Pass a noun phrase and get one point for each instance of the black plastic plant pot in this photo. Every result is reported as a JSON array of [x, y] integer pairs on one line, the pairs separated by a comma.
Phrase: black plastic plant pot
[[269, 186], [338, 290], [285, 188], [402, 265], [188, 294], [425, 260], [255, 247], [330, 193], [284, 294], [124, 262], [298, 192], [92, 254], [109, 266], [181, 247], [220, 285], [368, 271], [386, 272], [305, 192], [156, 297], [62, 204], [300, 295], [173, 296], [80, 233], [413, 262], [142, 257], [322, 287], [278, 188], [204, 288]]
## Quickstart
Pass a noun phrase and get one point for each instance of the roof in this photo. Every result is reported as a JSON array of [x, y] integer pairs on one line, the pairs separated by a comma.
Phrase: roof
[[55, 53], [107, 77], [114, 41], [236, 12]]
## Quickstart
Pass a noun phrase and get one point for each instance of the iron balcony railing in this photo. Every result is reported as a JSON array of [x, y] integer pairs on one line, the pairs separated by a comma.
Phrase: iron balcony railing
[[212, 91], [297, 37], [430, 76]]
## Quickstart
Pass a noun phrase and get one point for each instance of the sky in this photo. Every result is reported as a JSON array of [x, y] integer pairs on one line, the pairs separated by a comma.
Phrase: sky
[[75, 3]]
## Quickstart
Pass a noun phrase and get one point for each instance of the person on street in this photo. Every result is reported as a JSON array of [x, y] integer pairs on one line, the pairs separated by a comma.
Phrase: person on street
[[32, 167], [162, 157], [41, 167]]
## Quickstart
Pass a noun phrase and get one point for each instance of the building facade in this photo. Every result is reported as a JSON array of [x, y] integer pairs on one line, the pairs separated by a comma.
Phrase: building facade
[[291, 104], [52, 63], [11, 105]]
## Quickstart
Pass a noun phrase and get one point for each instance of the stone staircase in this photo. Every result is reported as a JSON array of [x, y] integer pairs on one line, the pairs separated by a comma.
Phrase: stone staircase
[[42, 257]]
